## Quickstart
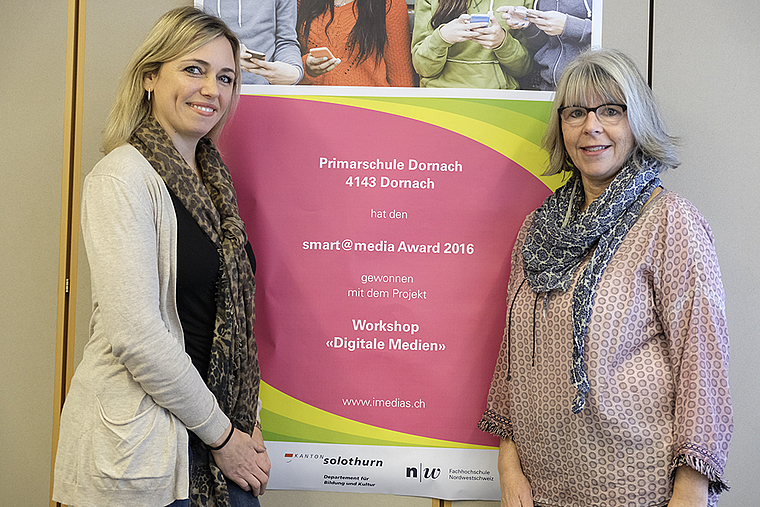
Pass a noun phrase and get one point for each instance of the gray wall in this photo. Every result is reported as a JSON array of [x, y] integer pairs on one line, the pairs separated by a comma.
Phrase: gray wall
[[33, 60], [706, 80]]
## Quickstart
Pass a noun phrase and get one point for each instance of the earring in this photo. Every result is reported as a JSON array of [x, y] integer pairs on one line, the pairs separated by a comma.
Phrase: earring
[[149, 89]]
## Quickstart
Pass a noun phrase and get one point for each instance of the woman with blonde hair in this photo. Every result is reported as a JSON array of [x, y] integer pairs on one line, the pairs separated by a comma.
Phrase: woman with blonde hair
[[145, 422]]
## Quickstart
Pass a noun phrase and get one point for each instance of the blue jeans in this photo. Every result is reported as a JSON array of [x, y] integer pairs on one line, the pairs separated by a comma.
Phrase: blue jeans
[[240, 498]]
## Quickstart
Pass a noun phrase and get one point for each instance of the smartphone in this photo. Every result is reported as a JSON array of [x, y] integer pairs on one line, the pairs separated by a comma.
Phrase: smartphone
[[321, 53], [254, 55], [480, 18]]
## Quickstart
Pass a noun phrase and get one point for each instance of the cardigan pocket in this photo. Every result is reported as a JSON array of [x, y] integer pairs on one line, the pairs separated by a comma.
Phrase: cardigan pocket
[[140, 447]]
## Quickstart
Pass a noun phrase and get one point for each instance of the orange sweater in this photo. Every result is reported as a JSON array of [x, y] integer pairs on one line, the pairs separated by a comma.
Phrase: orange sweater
[[394, 69]]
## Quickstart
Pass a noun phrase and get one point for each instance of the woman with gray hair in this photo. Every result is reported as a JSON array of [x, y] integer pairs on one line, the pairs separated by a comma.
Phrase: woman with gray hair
[[611, 385]]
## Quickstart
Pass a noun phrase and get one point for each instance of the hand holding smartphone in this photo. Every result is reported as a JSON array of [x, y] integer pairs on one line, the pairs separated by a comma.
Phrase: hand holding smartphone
[[321, 53], [252, 56], [320, 61]]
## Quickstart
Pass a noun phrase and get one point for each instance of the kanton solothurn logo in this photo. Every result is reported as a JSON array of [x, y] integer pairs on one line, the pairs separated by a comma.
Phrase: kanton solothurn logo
[[290, 456], [422, 473]]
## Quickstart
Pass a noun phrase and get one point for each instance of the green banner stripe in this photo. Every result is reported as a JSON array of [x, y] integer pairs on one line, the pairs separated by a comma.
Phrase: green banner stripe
[[330, 428]]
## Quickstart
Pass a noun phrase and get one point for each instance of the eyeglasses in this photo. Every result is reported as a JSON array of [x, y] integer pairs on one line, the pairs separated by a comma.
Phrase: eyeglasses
[[607, 114]]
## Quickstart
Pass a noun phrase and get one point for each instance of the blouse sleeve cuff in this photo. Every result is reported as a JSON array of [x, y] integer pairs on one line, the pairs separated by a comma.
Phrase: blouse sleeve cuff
[[497, 425], [703, 462]]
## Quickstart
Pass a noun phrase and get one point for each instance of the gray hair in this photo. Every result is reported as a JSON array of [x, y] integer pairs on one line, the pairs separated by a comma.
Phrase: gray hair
[[612, 76]]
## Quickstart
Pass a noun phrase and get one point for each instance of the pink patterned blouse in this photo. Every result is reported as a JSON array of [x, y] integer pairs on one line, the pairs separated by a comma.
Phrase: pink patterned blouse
[[657, 361]]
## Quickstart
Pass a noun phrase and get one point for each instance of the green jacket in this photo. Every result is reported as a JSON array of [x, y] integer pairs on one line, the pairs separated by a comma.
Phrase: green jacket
[[466, 64]]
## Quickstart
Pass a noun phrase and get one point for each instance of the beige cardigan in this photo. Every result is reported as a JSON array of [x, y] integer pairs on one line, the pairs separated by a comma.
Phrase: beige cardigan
[[123, 437]]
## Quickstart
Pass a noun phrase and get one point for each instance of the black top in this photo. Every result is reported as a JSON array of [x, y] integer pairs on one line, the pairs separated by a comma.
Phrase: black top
[[197, 272]]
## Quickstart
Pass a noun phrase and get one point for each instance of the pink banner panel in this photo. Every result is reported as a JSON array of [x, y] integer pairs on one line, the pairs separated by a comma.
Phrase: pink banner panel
[[383, 246]]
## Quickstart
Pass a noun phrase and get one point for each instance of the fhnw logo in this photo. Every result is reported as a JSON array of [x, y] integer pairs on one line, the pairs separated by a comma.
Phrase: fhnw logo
[[423, 473]]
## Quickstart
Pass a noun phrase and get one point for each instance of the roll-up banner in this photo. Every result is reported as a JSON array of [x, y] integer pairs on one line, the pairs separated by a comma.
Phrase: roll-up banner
[[383, 229], [382, 221]]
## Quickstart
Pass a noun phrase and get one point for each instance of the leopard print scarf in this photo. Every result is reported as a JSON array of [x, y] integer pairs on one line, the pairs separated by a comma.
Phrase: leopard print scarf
[[233, 374]]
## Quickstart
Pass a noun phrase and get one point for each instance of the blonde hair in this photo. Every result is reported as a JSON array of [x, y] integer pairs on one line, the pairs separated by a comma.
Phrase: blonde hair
[[611, 76], [177, 33]]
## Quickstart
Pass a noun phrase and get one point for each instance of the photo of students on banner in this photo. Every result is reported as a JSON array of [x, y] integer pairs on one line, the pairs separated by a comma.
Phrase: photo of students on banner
[[355, 42], [482, 44], [461, 44], [555, 32], [266, 29]]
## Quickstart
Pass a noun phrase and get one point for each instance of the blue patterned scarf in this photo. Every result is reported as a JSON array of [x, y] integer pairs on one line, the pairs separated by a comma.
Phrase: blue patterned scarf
[[561, 236]]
